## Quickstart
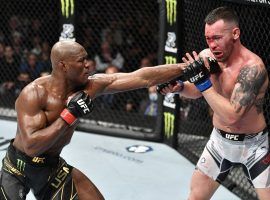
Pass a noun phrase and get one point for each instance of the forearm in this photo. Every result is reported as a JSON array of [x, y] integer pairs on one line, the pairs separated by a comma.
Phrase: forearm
[[142, 78], [190, 91], [160, 74], [42, 140], [221, 106]]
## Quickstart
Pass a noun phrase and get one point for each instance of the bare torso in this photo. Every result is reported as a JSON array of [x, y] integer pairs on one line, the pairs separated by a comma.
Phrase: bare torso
[[224, 83], [51, 105]]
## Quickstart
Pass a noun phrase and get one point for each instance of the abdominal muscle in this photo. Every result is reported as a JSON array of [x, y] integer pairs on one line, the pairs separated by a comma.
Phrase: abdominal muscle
[[250, 123], [55, 150]]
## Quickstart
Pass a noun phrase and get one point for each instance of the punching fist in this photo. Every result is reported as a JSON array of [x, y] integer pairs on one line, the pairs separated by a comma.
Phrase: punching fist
[[197, 73], [80, 105], [173, 83]]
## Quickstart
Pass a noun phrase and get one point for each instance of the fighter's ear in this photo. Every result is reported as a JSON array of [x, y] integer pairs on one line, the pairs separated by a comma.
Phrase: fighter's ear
[[236, 33], [62, 65]]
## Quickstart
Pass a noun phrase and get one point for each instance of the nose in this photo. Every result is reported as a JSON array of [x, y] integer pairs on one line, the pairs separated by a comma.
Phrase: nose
[[86, 64], [212, 44]]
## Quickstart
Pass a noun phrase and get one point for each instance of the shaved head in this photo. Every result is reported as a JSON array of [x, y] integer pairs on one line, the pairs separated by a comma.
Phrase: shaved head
[[63, 50]]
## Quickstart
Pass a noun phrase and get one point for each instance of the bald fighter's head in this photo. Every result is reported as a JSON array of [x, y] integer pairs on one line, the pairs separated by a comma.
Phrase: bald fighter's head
[[63, 50], [69, 60]]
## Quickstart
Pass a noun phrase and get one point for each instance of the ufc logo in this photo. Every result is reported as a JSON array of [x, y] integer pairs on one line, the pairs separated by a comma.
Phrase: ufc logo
[[83, 105], [38, 160], [232, 137], [196, 77]]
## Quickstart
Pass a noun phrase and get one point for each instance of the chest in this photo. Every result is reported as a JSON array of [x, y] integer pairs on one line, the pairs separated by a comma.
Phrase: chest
[[53, 107], [225, 81]]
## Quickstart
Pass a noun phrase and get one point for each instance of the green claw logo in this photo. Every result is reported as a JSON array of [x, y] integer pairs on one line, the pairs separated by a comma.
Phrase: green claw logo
[[171, 11], [170, 60], [67, 8], [20, 165], [168, 124]]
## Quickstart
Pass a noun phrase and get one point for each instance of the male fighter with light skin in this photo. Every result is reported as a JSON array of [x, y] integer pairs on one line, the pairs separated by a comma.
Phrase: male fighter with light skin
[[236, 96], [47, 112]]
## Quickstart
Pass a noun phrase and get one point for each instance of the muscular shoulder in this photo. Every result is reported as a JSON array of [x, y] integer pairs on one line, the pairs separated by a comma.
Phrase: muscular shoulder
[[253, 74], [34, 92], [253, 66]]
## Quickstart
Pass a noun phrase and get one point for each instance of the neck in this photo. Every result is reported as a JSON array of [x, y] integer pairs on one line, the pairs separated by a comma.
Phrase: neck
[[236, 54], [60, 85]]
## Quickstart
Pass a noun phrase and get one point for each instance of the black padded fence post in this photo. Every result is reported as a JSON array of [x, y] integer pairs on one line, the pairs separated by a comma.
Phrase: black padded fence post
[[170, 104], [67, 20]]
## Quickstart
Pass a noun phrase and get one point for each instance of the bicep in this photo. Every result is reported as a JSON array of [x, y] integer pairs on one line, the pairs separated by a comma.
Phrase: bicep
[[248, 88], [126, 81]]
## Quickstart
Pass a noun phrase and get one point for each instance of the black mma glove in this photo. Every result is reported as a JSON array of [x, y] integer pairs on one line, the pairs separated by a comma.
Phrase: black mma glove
[[172, 82], [214, 66], [198, 74], [80, 105]]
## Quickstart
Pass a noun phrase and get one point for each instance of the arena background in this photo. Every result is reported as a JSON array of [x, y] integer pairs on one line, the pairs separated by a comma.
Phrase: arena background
[[144, 34]]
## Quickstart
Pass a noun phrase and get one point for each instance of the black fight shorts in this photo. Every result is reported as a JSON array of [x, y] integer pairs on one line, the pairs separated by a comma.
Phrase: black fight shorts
[[48, 177]]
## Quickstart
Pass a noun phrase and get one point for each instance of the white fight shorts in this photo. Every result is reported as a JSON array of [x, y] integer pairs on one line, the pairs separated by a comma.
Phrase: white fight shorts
[[224, 150]]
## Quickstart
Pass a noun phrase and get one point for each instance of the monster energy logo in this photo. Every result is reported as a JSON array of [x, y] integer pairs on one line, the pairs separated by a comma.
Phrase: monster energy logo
[[20, 165], [171, 11], [170, 60], [168, 124], [67, 7]]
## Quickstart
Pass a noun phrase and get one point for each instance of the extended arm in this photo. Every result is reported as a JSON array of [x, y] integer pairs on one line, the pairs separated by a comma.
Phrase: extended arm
[[141, 78]]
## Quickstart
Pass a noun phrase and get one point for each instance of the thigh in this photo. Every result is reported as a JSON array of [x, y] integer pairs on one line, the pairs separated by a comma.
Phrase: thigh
[[202, 187], [263, 193], [12, 188], [85, 188], [257, 163], [213, 163]]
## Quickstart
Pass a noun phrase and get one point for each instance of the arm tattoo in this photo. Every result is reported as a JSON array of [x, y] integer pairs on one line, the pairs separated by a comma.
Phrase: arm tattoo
[[251, 79], [259, 105]]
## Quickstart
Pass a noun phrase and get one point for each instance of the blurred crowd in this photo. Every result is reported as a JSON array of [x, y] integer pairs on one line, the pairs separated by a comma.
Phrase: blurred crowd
[[25, 56]]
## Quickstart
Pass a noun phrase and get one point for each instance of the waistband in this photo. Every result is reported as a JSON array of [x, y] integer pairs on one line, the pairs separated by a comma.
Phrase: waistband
[[240, 136], [16, 156]]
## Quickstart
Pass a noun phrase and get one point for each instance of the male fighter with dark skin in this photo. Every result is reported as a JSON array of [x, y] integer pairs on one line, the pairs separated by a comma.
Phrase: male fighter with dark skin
[[41, 130], [236, 97]]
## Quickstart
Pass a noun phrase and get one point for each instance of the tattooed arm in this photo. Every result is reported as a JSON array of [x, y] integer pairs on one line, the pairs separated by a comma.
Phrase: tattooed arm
[[248, 91]]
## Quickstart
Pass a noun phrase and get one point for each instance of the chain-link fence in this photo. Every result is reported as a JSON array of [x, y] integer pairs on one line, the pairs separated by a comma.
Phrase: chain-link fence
[[129, 29], [27, 30], [119, 36]]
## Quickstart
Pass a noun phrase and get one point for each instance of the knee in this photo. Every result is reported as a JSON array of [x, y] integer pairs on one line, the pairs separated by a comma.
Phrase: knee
[[195, 194]]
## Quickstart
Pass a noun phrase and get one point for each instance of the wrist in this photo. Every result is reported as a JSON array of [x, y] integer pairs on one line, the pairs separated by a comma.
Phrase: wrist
[[182, 85], [204, 85], [68, 117]]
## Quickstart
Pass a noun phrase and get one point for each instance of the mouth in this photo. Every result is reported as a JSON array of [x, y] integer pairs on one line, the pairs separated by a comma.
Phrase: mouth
[[218, 54], [87, 73]]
